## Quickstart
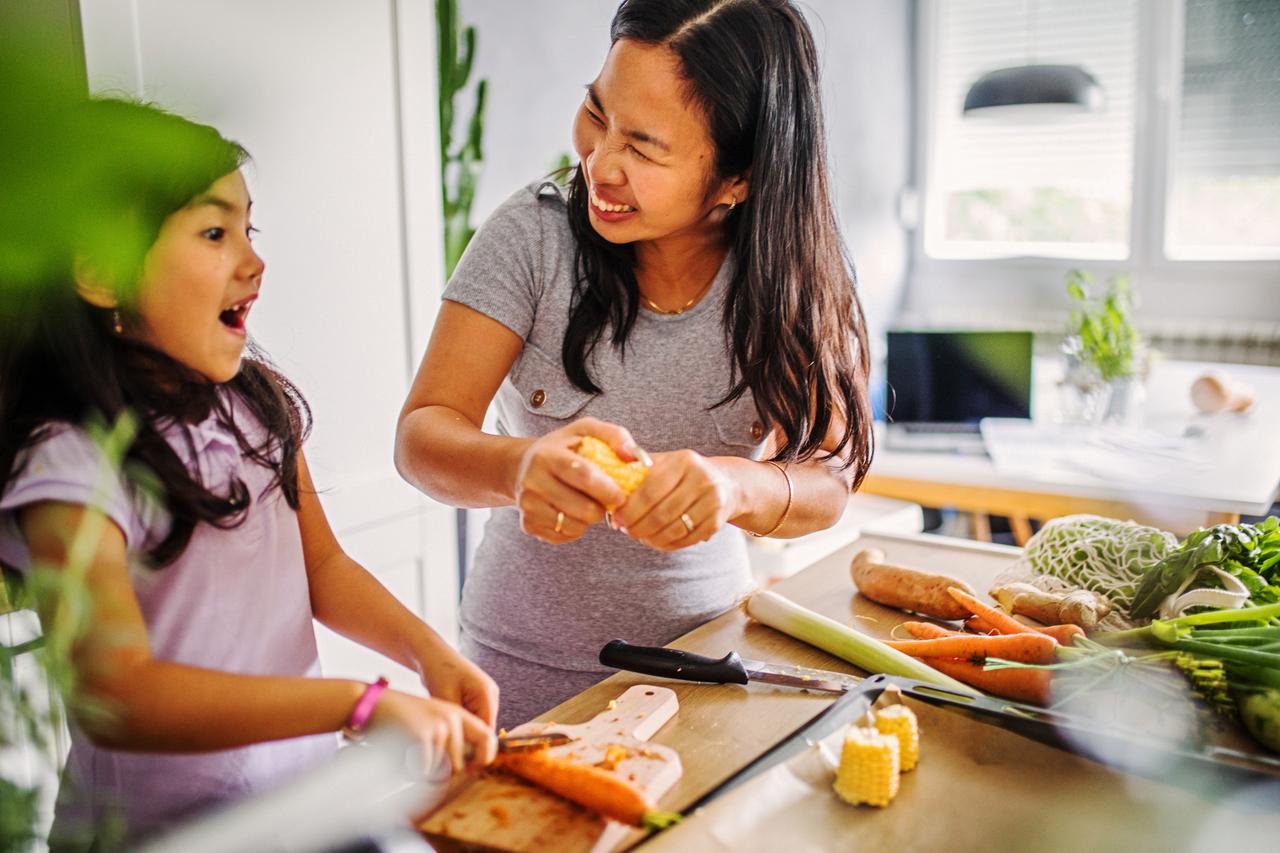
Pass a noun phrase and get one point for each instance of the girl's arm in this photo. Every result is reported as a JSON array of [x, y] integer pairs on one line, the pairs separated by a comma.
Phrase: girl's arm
[[351, 601], [158, 706]]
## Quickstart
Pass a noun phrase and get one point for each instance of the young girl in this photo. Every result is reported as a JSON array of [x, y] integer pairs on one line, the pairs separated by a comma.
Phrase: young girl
[[206, 658]]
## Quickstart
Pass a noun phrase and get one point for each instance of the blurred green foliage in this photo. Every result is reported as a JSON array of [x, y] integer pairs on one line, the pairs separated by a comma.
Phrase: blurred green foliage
[[461, 166], [1104, 326]]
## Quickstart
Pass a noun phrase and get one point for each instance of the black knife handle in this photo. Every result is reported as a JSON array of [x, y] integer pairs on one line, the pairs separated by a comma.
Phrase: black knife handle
[[673, 663]]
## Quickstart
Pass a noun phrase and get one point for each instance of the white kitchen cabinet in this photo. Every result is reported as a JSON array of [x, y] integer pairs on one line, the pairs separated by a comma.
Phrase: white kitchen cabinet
[[336, 102]]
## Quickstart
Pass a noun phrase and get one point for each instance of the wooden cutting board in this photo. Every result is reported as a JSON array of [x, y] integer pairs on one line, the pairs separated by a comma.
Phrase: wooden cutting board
[[497, 811]]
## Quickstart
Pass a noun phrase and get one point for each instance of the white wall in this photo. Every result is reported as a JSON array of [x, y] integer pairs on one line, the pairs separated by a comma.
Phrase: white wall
[[336, 101]]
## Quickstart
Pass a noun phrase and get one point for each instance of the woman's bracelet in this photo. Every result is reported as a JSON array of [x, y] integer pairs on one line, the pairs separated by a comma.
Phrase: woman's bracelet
[[785, 510], [363, 711]]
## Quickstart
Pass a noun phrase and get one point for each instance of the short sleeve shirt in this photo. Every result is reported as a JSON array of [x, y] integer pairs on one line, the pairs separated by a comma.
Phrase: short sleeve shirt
[[236, 600], [558, 604]]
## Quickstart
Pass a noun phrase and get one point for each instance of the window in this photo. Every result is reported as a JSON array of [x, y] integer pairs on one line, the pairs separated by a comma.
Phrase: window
[[1224, 199], [1182, 163]]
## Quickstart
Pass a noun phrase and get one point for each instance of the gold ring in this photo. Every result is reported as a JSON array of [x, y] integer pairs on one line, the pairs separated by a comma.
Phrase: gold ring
[[688, 522], [559, 521]]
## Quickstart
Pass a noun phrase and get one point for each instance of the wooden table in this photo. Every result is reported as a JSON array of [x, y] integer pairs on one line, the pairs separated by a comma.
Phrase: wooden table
[[722, 728], [1241, 474]]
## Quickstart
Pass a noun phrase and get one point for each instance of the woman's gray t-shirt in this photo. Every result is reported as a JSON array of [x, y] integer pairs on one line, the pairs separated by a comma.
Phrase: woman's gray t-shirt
[[558, 604]]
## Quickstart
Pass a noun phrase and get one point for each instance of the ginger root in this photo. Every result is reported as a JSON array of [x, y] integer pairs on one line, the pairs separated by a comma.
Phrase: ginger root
[[1079, 607]]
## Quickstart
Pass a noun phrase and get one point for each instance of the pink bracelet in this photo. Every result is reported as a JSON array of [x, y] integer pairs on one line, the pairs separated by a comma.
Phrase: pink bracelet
[[360, 714]]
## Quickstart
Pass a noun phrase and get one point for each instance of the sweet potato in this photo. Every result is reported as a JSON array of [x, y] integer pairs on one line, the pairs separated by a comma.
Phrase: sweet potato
[[905, 588]]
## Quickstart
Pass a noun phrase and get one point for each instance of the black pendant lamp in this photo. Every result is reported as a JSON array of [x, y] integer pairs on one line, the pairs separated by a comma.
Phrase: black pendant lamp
[[1051, 87]]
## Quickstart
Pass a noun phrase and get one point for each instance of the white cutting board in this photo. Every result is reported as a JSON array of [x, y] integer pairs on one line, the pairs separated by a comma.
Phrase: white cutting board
[[506, 813]]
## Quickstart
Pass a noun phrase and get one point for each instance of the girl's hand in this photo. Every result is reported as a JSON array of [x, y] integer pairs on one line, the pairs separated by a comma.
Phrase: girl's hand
[[451, 677], [560, 494], [443, 728], [686, 498]]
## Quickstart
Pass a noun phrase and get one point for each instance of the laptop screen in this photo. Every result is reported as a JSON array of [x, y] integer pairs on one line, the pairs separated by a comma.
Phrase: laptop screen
[[958, 377]]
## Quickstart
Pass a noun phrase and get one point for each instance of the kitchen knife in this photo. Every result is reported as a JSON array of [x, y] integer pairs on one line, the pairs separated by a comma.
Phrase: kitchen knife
[[521, 743], [730, 669]]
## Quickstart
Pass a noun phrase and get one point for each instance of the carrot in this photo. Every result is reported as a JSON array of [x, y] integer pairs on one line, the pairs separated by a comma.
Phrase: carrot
[[1025, 648], [598, 789], [1022, 685], [994, 616], [1064, 634], [929, 631], [978, 625]]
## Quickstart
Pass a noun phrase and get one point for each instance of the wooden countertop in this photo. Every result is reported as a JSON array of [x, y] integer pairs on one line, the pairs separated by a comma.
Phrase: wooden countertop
[[722, 728]]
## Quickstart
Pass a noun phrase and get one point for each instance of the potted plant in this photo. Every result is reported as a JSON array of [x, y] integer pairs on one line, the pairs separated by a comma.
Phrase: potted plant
[[1105, 353]]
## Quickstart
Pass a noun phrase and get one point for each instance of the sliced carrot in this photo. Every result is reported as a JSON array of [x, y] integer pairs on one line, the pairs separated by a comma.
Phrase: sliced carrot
[[1025, 648], [1022, 685], [598, 789]]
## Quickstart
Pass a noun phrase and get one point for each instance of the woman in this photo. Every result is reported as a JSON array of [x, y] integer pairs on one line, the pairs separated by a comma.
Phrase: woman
[[689, 294]]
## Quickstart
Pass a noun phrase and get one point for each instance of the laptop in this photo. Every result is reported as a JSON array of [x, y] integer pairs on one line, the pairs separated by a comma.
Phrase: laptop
[[942, 383]]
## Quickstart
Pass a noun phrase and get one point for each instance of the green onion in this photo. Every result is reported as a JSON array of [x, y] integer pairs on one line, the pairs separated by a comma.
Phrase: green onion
[[844, 642]]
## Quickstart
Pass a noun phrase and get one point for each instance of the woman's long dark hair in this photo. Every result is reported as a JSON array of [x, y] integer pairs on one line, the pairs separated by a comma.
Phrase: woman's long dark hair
[[792, 315], [61, 363]]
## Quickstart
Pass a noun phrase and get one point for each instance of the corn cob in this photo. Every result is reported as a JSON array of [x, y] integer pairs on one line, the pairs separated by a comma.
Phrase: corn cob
[[899, 721], [868, 771], [628, 475]]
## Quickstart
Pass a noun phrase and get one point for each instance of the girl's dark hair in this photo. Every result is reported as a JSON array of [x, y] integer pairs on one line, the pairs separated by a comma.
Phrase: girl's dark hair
[[792, 316], [61, 362]]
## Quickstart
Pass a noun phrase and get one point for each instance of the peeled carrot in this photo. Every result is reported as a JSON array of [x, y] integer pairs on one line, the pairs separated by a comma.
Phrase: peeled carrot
[[598, 789], [1025, 648], [1022, 685]]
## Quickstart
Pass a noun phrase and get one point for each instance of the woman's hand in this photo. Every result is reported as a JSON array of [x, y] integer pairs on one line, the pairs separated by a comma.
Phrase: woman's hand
[[686, 498], [449, 676], [443, 728], [560, 494]]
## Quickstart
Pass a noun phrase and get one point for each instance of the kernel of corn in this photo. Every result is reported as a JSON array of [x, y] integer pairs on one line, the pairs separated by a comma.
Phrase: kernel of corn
[[868, 771], [899, 721], [628, 475]]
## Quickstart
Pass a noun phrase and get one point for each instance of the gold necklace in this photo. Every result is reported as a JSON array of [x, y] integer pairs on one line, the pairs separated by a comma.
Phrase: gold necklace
[[683, 308]]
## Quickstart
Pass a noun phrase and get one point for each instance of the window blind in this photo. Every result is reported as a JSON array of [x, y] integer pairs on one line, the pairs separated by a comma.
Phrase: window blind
[[1230, 116], [1085, 152]]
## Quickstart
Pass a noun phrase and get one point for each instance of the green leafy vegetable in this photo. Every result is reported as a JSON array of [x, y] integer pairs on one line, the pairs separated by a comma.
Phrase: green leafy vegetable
[[1107, 556], [1251, 552]]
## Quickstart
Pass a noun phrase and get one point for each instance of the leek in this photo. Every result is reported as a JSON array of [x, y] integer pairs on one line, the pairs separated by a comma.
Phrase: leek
[[844, 642]]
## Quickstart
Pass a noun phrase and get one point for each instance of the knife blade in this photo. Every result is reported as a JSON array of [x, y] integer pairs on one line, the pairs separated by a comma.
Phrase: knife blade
[[730, 669], [521, 743]]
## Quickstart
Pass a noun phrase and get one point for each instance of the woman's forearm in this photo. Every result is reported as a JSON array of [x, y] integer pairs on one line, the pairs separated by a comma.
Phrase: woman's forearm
[[448, 457], [819, 494], [159, 706]]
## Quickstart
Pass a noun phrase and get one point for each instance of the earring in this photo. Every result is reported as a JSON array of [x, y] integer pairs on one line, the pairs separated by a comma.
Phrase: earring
[[116, 325], [733, 202]]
